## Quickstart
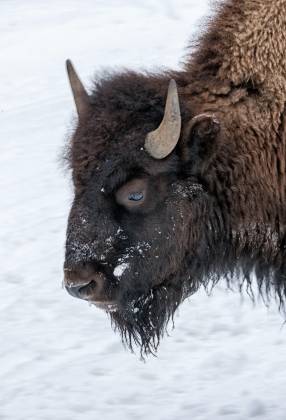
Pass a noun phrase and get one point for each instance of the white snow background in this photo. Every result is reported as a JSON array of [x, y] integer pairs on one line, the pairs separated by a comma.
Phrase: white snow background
[[59, 358]]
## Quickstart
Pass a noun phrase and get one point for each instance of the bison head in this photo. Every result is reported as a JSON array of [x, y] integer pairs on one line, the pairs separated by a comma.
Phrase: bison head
[[138, 231]]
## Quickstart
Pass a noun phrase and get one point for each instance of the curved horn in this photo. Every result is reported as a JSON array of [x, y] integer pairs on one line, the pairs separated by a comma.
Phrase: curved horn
[[162, 141], [80, 95]]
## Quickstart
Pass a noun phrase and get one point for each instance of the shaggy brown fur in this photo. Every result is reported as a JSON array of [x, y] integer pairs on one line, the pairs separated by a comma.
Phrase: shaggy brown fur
[[217, 204], [239, 73]]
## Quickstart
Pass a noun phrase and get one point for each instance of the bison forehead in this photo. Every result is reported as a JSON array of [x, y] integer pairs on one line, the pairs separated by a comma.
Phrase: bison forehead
[[91, 157]]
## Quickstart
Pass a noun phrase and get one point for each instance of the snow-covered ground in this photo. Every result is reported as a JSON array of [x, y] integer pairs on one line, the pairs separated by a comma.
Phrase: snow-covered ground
[[59, 359]]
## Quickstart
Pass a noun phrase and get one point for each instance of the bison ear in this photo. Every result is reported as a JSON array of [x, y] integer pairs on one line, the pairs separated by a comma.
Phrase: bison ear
[[200, 140], [81, 97]]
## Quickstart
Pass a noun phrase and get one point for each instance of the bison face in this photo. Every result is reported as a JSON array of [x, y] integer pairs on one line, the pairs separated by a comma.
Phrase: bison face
[[133, 237]]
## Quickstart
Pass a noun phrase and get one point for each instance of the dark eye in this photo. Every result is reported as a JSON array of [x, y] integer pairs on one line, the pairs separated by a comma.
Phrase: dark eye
[[136, 196], [132, 194]]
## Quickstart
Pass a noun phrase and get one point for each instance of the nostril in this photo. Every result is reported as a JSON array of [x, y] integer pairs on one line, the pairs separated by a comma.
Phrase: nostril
[[99, 281], [83, 291], [84, 283], [73, 290], [75, 280]]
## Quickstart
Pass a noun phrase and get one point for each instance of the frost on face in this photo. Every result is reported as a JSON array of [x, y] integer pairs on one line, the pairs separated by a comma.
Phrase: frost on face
[[130, 253], [119, 270], [119, 231], [187, 191], [82, 252], [83, 220]]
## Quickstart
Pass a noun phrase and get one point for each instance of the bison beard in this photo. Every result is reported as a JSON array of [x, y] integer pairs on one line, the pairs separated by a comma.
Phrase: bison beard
[[143, 322]]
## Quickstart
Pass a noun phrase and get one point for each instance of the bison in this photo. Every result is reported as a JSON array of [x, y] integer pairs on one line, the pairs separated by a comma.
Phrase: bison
[[180, 176]]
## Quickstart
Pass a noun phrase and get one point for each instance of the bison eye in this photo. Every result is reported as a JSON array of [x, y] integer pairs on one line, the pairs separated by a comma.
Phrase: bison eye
[[132, 194], [136, 196]]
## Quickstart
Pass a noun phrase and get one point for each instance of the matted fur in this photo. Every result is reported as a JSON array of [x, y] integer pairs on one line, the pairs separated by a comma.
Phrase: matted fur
[[218, 202]]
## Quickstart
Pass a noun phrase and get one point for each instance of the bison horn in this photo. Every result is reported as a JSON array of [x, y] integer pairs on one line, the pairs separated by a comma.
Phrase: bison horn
[[81, 98], [162, 141]]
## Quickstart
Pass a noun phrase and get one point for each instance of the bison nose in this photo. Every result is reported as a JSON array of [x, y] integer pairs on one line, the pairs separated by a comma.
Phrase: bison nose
[[85, 283], [73, 290]]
